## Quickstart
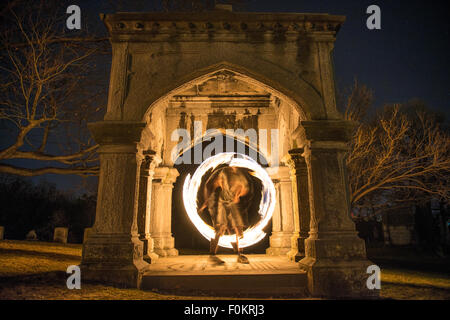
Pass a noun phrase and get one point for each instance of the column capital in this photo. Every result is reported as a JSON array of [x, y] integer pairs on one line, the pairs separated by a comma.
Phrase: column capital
[[150, 161], [117, 132], [327, 134], [167, 175], [278, 173], [295, 160]]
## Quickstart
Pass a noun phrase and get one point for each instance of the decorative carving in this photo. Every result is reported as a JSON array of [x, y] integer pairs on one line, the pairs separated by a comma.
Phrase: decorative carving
[[296, 162]]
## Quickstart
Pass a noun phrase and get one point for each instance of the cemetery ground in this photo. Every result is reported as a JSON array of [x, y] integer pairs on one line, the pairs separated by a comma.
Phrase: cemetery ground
[[37, 270]]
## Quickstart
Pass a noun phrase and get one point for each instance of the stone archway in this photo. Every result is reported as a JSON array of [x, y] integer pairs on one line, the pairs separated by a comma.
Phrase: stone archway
[[283, 62], [235, 105]]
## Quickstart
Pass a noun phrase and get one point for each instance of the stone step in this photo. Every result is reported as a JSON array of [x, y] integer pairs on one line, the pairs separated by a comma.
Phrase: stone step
[[264, 276]]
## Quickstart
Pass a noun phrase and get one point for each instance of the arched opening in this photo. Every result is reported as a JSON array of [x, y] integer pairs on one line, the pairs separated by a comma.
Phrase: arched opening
[[188, 239], [186, 121], [222, 99]]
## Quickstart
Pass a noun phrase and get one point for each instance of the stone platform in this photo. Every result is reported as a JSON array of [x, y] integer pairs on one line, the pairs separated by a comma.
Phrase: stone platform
[[264, 276]]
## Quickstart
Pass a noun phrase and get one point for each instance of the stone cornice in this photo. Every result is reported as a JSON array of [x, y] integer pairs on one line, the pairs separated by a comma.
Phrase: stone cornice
[[196, 26]]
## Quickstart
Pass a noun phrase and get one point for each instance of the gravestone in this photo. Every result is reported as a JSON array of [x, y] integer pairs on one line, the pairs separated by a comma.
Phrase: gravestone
[[2, 232], [400, 235], [87, 232], [60, 235], [31, 235]]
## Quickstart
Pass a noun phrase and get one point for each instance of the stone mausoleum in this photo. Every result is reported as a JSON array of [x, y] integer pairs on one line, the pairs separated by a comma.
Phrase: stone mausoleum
[[227, 70]]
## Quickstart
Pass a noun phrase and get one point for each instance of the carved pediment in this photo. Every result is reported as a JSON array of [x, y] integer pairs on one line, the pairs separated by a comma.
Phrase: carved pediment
[[223, 83]]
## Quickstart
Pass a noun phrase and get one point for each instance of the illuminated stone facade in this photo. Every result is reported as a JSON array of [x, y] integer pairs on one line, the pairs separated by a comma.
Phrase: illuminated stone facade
[[228, 70]]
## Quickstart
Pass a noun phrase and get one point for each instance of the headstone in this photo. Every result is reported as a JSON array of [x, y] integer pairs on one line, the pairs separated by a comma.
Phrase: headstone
[[2, 232], [87, 232], [400, 235], [60, 235], [31, 235]]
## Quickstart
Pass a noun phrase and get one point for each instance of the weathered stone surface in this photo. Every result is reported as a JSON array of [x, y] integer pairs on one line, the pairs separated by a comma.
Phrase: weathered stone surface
[[124, 133], [229, 70], [335, 257], [265, 276], [280, 50], [87, 232], [113, 258], [161, 212], [60, 234], [113, 253], [300, 189], [284, 238], [144, 205], [398, 226], [2, 232], [400, 235]]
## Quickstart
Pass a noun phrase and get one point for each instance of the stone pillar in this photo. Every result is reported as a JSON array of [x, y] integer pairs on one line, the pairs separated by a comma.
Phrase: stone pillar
[[161, 211], [86, 234], [2, 232], [335, 257], [144, 204], [284, 238], [113, 252], [299, 179]]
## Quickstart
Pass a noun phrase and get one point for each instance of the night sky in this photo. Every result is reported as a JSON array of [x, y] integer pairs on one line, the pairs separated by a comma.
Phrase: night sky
[[408, 58]]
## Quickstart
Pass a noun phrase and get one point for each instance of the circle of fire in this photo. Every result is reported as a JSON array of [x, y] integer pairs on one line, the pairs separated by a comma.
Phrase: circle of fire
[[191, 186]]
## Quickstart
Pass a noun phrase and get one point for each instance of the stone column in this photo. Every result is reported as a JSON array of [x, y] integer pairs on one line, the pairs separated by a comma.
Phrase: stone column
[[335, 259], [113, 252], [161, 211], [299, 179], [284, 238], [144, 204]]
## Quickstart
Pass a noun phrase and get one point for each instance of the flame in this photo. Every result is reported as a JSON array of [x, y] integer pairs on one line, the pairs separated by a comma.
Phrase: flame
[[191, 186]]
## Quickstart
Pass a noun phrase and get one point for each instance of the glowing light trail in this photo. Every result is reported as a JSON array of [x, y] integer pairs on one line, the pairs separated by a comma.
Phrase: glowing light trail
[[191, 186]]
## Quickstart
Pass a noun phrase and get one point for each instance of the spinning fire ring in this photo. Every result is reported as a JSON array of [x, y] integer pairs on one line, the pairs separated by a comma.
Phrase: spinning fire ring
[[191, 186]]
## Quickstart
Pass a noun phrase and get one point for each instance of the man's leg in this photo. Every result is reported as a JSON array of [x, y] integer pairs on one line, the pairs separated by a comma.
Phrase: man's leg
[[214, 245], [241, 258]]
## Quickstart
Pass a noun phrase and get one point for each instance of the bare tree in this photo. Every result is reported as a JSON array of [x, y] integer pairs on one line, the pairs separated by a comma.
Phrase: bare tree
[[399, 155], [51, 86], [47, 93]]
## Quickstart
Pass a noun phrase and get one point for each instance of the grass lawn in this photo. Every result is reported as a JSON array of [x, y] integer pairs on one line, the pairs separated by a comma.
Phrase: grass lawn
[[36, 270]]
